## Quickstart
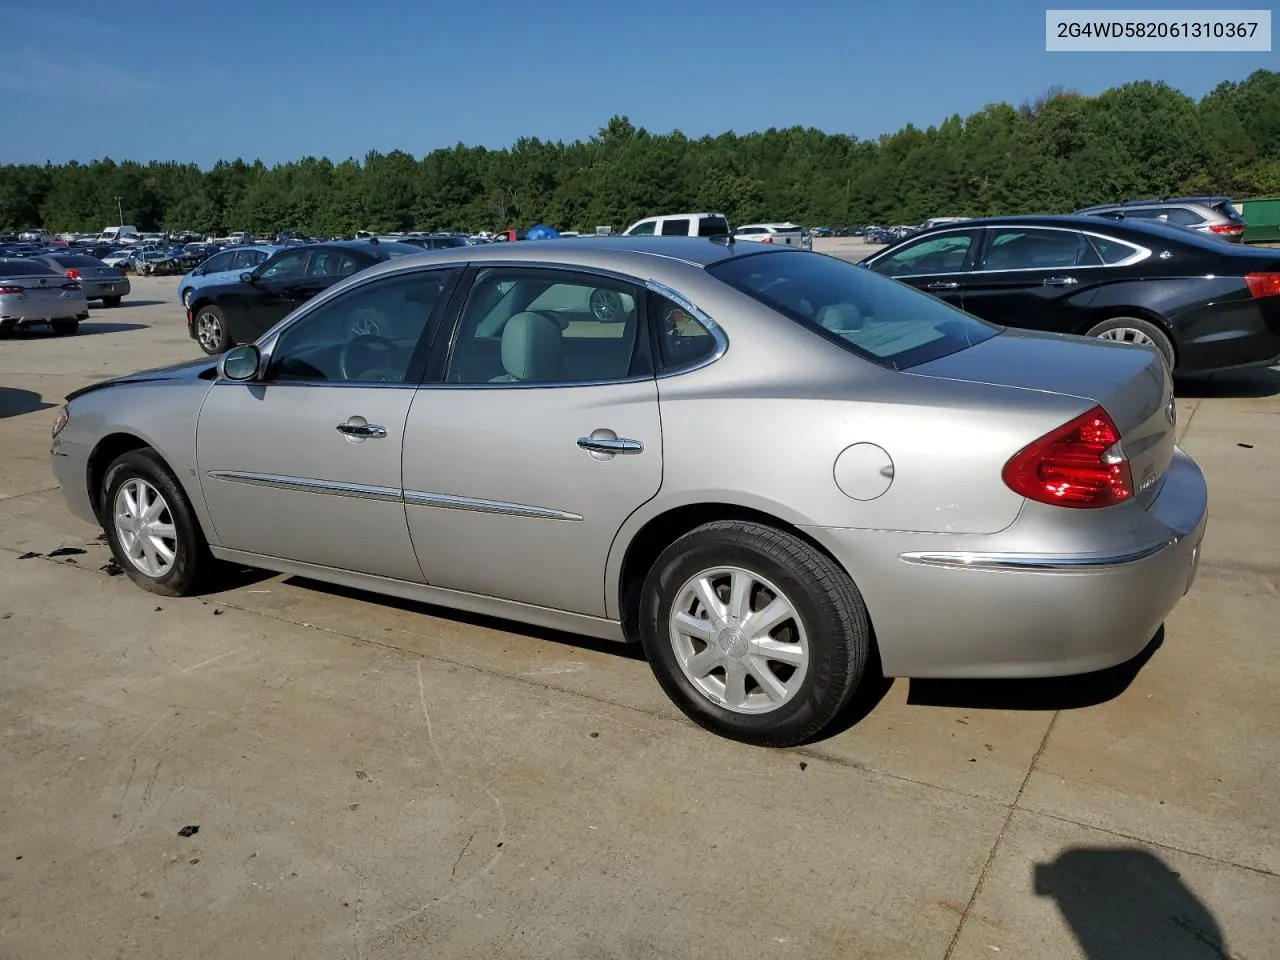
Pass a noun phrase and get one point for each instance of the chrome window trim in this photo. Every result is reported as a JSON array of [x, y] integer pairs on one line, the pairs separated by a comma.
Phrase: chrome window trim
[[301, 485], [716, 331], [1140, 253], [446, 501], [1036, 563]]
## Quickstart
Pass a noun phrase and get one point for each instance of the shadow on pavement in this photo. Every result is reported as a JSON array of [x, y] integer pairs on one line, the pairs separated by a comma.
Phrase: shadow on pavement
[[97, 326], [134, 303], [1231, 383], [15, 402], [1124, 903], [630, 651], [1035, 693]]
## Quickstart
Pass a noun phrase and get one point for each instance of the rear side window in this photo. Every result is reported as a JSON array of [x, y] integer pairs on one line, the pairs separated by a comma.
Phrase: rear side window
[[683, 341], [1112, 251], [675, 228], [1019, 248], [877, 318], [1227, 210], [644, 229], [713, 227], [26, 268], [1184, 216]]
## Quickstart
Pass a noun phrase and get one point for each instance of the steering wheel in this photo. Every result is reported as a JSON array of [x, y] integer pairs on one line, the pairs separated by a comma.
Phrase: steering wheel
[[375, 350]]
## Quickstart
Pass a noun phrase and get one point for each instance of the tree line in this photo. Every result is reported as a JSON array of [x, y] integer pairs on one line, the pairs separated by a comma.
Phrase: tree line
[[1055, 154]]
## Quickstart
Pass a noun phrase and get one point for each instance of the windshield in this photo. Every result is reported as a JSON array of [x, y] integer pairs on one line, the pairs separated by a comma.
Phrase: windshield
[[877, 318]]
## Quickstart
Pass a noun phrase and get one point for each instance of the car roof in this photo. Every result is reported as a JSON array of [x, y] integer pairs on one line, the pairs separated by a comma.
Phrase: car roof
[[1155, 202]]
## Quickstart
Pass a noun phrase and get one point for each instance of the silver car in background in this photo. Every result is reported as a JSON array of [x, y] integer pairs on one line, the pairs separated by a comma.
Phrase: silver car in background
[[99, 281], [33, 294], [765, 465]]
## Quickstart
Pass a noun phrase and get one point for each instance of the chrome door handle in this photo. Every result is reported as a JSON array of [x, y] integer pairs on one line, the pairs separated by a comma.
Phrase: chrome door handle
[[942, 285], [1060, 281], [371, 430], [610, 445]]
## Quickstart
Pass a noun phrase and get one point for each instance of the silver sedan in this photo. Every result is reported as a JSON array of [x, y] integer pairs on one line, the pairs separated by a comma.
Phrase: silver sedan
[[99, 281], [33, 294], [765, 465]]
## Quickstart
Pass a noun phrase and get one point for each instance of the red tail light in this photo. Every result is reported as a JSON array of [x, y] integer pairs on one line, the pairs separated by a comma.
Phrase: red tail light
[[1231, 229], [1080, 464], [73, 273], [1263, 284]]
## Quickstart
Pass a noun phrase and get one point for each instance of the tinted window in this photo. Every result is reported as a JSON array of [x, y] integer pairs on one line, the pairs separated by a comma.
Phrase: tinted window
[[218, 263], [365, 335], [330, 263], [285, 266], [872, 316], [1184, 216], [713, 227], [644, 229], [944, 253], [1143, 213], [1227, 210], [675, 228], [1112, 251], [26, 268], [682, 339], [1018, 248], [245, 259], [75, 260], [547, 326]]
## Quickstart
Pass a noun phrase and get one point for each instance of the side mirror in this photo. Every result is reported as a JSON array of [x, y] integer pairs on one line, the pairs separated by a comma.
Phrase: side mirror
[[247, 277], [198, 272], [240, 363]]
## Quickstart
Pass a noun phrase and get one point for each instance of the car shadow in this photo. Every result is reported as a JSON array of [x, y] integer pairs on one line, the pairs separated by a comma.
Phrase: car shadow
[[15, 402], [92, 326], [1263, 382], [132, 303], [629, 651], [1034, 693], [1125, 903]]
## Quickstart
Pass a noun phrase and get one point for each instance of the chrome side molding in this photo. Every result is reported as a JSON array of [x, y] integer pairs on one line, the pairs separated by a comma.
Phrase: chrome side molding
[[1036, 563]]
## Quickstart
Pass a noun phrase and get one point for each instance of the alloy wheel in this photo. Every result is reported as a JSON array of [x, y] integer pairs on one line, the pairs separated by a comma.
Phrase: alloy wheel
[[1127, 335], [739, 640], [209, 331], [145, 528]]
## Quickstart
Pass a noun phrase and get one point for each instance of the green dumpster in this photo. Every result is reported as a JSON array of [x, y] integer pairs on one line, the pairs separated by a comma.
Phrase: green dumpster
[[1262, 215]]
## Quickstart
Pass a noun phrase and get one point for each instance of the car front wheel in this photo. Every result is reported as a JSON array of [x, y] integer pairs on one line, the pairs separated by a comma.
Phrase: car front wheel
[[211, 331], [150, 525], [753, 632]]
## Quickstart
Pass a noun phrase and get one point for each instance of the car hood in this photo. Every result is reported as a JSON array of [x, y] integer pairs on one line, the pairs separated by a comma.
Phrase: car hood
[[189, 370]]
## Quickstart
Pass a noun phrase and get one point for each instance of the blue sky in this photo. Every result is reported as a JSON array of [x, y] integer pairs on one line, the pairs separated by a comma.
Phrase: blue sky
[[281, 79]]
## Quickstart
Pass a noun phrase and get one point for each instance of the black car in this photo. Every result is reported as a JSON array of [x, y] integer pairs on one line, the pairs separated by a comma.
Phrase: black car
[[222, 315], [1204, 304], [436, 241]]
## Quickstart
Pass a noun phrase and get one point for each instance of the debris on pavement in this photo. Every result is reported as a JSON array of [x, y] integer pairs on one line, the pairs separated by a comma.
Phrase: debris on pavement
[[111, 568], [30, 556], [189, 830], [66, 552]]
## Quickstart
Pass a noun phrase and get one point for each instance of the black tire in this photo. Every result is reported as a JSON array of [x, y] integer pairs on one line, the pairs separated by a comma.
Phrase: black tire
[[192, 559], [65, 328], [826, 602], [215, 343], [111, 301], [1148, 329]]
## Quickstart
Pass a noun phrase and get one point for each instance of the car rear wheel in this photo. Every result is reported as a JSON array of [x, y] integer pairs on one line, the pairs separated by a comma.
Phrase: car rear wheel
[[65, 328], [754, 633], [150, 526], [1133, 330], [111, 301], [211, 331]]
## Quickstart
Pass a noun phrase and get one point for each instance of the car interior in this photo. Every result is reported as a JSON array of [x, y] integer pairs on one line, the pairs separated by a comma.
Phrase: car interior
[[520, 328]]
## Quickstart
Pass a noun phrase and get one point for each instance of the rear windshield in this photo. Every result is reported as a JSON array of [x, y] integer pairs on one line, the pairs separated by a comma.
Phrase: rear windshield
[[713, 227], [875, 317], [78, 260], [1227, 210], [26, 268]]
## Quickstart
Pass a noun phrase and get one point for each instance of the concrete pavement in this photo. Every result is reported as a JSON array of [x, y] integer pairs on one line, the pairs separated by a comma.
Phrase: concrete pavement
[[373, 778]]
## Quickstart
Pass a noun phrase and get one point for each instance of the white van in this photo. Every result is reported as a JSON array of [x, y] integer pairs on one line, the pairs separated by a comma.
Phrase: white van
[[119, 235], [680, 225]]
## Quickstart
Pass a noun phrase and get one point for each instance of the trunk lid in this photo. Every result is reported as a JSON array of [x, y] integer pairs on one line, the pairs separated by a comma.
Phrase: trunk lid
[[1130, 382]]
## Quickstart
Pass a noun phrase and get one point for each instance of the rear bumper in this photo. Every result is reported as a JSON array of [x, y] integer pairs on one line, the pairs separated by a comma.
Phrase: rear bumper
[[97, 289], [986, 610], [1230, 335]]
